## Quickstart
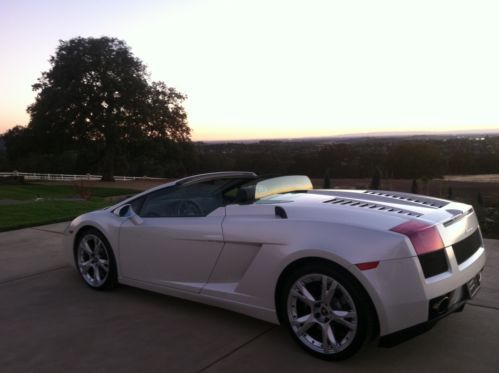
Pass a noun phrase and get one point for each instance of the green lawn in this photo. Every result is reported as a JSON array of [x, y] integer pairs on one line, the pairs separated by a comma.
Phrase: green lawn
[[32, 191], [55, 203]]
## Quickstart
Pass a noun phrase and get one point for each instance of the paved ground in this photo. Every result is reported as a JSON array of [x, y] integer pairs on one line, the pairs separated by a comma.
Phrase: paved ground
[[51, 322]]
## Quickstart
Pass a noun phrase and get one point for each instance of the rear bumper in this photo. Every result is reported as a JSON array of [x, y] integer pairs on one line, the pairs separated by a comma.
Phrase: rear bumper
[[403, 335], [403, 296]]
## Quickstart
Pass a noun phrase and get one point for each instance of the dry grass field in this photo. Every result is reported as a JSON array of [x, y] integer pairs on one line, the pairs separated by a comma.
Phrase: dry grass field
[[463, 190], [138, 185], [486, 178]]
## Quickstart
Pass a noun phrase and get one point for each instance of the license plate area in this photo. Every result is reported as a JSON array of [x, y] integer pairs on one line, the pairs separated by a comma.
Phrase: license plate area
[[473, 285]]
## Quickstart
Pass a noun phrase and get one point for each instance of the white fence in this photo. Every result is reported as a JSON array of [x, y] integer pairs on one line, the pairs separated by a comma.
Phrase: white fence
[[68, 177]]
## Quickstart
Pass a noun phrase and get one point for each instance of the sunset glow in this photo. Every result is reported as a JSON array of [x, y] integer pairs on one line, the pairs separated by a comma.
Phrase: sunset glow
[[281, 69]]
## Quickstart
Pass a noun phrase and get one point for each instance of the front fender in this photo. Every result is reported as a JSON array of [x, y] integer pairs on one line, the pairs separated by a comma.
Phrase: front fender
[[104, 221]]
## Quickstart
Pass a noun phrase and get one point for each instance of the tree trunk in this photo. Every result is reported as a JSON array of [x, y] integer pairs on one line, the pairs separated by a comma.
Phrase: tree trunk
[[108, 165], [107, 176]]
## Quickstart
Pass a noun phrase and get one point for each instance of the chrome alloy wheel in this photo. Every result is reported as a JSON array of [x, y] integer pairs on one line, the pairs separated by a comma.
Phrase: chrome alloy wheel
[[93, 260], [322, 313]]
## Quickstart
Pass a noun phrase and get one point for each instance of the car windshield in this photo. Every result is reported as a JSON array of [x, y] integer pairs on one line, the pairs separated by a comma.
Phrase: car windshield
[[281, 184]]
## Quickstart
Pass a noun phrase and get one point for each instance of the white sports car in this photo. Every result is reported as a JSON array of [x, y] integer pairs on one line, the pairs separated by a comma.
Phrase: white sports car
[[335, 267]]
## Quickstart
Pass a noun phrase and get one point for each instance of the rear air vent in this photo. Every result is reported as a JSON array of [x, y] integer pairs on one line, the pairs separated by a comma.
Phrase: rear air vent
[[467, 247], [372, 206], [433, 263], [416, 199]]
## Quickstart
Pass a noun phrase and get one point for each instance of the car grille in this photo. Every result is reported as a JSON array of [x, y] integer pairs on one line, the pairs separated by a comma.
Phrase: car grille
[[433, 263], [466, 248]]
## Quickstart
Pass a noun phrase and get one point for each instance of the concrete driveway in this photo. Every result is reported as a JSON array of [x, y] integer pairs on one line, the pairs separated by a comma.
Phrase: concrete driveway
[[51, 322]]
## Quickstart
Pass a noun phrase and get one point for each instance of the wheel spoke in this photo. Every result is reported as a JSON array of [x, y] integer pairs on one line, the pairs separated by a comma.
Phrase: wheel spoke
[[86, 247], [304, 292], [329, 342], [325, 338], [346, 323], [327, 294], [302, 319], [330, 292], [306, 325], [323, 288], [302, 298], [303, 323], [344, 314], [332, 338], [98, 248], [86, 264], [97, 277], [104, 264]]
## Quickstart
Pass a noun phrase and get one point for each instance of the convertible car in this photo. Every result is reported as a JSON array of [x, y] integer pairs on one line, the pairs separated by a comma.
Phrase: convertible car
[[337, 268]]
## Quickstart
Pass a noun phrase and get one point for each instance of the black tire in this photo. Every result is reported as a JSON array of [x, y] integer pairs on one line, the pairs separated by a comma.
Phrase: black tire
[[94, 260], [310, 320]]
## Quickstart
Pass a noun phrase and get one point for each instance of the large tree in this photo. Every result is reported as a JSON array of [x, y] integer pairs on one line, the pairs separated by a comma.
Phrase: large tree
[[97, 99]]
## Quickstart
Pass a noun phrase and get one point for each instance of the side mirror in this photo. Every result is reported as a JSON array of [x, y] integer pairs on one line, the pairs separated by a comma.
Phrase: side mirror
[[126, 211]]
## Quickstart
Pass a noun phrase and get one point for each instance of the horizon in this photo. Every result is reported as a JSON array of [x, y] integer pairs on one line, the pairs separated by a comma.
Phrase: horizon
[[284, 69], [379, 135]]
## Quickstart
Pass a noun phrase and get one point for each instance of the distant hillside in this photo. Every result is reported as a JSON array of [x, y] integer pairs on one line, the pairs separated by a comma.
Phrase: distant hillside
[[371, 136], [417, 156]]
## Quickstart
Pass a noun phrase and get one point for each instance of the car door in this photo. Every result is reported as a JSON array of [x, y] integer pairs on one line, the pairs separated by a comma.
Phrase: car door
[[179, 240]]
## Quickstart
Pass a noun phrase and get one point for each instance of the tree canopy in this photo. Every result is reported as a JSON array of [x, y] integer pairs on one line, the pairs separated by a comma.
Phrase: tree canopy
[[415, 160], [97, 102]]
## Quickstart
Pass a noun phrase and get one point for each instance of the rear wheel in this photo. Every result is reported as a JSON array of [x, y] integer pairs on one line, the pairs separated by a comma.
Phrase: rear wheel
[[325, 311], [95, 260]]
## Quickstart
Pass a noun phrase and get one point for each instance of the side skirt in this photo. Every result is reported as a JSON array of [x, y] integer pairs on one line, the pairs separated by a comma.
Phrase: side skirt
[[265, 314]]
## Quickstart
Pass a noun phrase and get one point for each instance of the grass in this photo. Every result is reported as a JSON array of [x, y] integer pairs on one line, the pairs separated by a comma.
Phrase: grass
[[32, 191], [40, 204], [30, 214]]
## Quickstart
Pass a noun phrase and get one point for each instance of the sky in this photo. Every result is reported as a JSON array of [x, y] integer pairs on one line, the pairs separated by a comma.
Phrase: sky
[[262, 69]]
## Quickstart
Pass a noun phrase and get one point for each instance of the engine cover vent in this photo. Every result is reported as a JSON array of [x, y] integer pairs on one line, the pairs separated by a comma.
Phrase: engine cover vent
[[373, 206], [413, 198]]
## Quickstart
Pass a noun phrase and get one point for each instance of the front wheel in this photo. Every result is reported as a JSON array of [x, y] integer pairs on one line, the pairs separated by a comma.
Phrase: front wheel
[[325, 311], [95, 261]]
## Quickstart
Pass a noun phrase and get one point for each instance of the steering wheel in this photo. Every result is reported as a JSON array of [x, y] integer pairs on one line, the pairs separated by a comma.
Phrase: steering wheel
[[188, 207]]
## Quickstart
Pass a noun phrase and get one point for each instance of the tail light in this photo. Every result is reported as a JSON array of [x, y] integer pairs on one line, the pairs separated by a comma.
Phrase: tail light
[[424, 237]]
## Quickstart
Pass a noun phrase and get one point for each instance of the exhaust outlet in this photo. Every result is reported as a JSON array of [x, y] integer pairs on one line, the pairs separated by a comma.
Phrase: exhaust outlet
[[441, 306]]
